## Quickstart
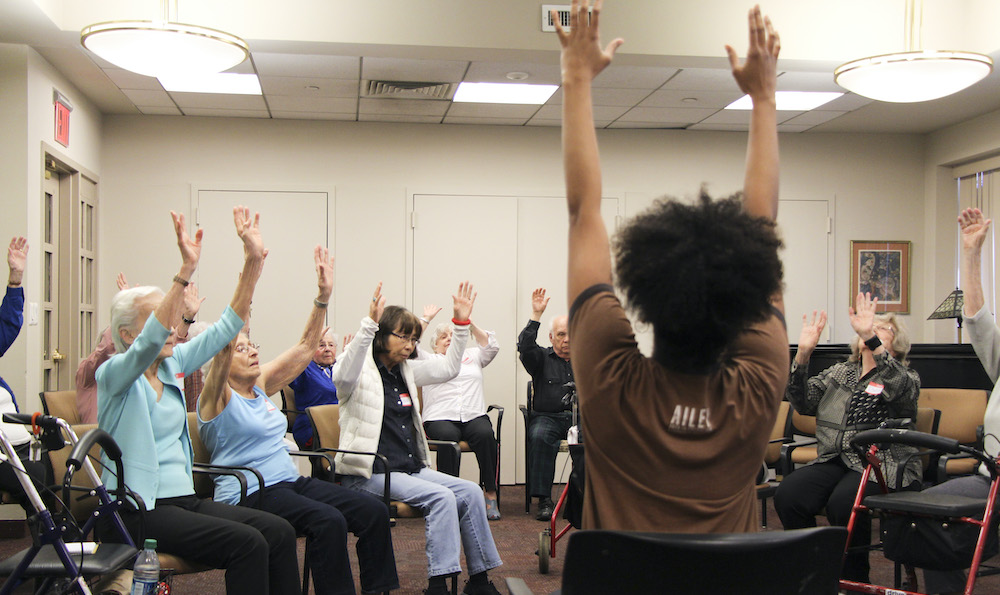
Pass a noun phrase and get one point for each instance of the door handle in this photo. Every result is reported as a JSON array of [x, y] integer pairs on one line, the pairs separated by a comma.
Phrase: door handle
[[56, 356]]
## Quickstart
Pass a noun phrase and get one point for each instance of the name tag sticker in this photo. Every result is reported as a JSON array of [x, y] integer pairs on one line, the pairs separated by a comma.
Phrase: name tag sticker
[[179, 375], [874, 388], [270, 406], [405, 400]]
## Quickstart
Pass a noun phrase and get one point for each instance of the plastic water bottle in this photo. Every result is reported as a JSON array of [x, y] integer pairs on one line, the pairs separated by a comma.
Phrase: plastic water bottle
[[146, 571]]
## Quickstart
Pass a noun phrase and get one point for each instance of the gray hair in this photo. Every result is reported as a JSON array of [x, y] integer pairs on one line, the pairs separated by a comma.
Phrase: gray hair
[[124, 313], [334, 336], [439, 331], [193, 331], [900, 339]]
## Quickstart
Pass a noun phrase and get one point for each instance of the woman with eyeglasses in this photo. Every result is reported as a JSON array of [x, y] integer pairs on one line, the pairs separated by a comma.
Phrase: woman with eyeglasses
[[140, 402], [314, 386], [241, 426], [377, 379], [873, 386]]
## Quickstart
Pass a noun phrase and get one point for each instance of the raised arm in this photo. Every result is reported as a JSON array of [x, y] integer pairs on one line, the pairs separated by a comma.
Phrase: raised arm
[[347, 368], [215, 393], [974, 228], [582, 60], [436, 370], [169, 309], [284, 368], [12, 308], [757, 77]]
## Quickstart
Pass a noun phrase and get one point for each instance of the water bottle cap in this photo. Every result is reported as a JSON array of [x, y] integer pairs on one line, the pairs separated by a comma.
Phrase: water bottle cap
[[150, 544]]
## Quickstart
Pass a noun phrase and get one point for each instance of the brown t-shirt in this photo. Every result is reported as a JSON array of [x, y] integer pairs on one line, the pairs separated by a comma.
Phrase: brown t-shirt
[[665, 450]]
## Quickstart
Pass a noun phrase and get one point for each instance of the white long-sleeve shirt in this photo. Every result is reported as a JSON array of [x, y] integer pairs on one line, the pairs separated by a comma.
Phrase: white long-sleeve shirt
[[461, 398]]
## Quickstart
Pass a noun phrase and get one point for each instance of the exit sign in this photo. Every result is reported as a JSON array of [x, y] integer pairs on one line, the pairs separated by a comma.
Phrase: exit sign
[[63, 109]]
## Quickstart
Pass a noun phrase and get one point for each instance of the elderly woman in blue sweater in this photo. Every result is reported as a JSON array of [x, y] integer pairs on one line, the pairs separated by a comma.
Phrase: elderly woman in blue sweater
[[140, 402]]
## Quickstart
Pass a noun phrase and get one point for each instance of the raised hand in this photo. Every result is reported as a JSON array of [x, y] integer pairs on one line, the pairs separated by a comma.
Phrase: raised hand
[[121, 281], [324, 272], [538, 301], [430, 311], [377, 305], [347, 339], [757, 77], [863, 315], [248, 229], [812, 330], [192, 303], [582, 56], [463, 301], [17, 259], [190, 248], [974, 228]]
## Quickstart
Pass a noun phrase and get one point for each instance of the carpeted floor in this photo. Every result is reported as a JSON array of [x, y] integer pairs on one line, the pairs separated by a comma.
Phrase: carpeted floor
[[516, 536]]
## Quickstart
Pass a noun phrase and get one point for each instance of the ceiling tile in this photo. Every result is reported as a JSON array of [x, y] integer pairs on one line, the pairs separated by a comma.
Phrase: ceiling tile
[[496, 72], [492, 110], [227, 113], [664, 125], [792, 128], [612, 97], [813, 118], [634, 77], [399, 118], [286, 103], [288, 85], [485, 121], [738, 116], [847, 102], [691, 99], [720, 127], [126, 79], [556, 123], [412, 107], [244, 67], [217, 101], [311, 116], [808, 81], [149, 98], [160, 111], [307, 65], [554, 112], [666, 114], [421, 71], [703, 79]]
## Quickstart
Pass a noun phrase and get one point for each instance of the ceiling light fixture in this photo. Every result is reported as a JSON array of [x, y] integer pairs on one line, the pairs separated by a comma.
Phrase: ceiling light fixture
[[164, 48], [516, 93], [914, 75], [790, 101]]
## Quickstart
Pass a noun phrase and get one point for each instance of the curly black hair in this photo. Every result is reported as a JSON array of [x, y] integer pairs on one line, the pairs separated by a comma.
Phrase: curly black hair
[[699, 274]]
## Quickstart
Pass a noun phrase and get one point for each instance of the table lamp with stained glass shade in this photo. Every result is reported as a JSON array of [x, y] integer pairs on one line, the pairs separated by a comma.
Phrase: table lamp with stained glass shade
[[951, 307]]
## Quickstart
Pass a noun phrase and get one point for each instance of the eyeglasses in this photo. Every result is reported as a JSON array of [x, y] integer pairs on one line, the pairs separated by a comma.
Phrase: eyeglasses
[[246, 348], [412, 340], [883, 327], [328, 346]]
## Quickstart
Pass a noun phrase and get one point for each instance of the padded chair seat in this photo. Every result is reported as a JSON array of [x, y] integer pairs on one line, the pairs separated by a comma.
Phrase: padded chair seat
[[108, 558], [945, 505]]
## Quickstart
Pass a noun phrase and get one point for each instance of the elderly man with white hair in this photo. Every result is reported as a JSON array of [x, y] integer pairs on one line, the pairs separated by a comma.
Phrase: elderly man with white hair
[[314, 386]]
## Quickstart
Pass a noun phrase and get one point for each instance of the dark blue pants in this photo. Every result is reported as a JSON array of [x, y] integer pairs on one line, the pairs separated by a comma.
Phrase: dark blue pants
[[324, 512], [545, 432]]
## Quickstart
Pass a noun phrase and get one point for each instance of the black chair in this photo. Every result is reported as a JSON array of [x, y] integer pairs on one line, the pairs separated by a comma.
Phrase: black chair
[[803, 561]]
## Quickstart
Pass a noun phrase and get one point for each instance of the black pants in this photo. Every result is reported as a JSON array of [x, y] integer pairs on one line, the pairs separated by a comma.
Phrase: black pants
[[256, 548], [478, 433], [803, 494], [324, 512], [40, 473]]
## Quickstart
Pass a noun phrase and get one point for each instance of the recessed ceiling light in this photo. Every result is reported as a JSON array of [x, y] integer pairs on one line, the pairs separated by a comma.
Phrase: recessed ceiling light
[[311, 88], [517, 93], [790, 101], [227, 83], [689, 100], [517, 76]]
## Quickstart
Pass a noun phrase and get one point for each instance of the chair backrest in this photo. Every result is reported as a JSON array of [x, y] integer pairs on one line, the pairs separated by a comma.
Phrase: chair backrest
[[962, 411], [325, 421], [204, 487], [62, 404], [803, 425], [288, 406], [796, 561], [773, 452], [79, 508], [928, 420]]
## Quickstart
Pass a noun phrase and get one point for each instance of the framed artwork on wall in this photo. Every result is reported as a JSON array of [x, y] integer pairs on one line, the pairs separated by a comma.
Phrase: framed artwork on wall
[[882, 268]]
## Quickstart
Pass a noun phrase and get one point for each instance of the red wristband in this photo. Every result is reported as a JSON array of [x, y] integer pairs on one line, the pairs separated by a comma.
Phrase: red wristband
[[460, 322]]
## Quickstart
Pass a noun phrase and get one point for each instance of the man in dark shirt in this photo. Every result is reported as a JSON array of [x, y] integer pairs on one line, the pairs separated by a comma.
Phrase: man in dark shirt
[[551, 417]]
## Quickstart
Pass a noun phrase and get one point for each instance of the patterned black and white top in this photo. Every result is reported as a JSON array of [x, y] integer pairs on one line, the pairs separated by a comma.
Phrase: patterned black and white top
[[845, 403]]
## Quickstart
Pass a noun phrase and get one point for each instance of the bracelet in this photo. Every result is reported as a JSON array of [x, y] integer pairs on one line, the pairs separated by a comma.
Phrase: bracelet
[[424, 320], [181, 280], [187, 320], [320, 304], [873, 343], [460, 322]]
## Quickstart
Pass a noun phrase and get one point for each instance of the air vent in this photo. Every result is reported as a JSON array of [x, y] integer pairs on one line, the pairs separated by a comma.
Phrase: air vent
[[562, 12], [407, 90]]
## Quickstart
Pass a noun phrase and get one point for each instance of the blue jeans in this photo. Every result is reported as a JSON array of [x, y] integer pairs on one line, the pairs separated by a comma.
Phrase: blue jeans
[[454, 513]]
